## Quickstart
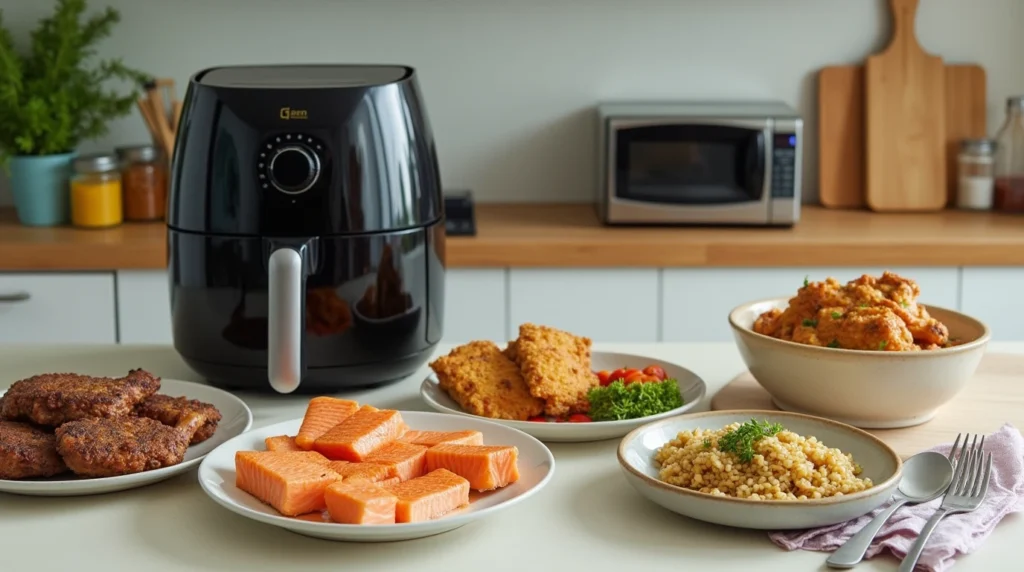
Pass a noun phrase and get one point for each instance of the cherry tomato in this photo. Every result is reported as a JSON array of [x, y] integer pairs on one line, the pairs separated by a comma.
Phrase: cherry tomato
[[617, 374], [652, 379], [539, 418], [655, 371], [634, 375], [579, 418], [602, 376]]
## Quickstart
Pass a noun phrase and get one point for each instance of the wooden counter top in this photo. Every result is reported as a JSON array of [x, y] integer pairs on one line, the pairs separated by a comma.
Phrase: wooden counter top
[[560, 235]]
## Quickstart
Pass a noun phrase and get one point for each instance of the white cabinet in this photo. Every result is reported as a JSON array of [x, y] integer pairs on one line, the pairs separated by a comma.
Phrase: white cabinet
[[57, 308], [696, 302], [606, 305], [476, 305], [993, 295], [143, 307]]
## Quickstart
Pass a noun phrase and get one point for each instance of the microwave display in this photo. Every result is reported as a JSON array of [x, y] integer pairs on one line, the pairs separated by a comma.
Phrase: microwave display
[[690, 164]]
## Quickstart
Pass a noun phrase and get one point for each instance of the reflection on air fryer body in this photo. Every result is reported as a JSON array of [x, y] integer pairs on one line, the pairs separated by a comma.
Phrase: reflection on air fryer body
[[306, 245]]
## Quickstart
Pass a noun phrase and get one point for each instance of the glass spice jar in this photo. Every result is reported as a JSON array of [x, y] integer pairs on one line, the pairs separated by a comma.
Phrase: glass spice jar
[[144, 183], [1009, 183], [96, 191], [975, 174]]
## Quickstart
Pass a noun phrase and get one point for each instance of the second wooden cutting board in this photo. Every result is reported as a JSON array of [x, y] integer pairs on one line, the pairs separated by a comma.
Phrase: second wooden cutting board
[[905, 121], [841, 128]]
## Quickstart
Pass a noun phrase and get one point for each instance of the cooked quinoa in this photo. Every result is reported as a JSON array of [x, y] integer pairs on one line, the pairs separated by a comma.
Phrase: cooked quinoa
[[785, 466]]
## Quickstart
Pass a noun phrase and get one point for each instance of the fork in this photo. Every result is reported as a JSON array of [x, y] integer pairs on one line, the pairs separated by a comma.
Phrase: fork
[[969, 487]]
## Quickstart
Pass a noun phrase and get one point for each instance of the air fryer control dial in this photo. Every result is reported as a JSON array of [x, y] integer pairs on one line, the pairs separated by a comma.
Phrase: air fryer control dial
[[290, 163]]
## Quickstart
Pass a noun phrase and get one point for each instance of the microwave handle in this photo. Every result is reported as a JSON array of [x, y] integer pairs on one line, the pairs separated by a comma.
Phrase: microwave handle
[[755, 162]]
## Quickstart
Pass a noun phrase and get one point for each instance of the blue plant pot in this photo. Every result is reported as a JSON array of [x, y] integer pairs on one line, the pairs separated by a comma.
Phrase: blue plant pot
[[39, 184]]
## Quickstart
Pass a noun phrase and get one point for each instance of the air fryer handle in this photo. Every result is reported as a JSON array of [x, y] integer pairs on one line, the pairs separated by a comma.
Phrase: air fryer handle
[[285, 319]]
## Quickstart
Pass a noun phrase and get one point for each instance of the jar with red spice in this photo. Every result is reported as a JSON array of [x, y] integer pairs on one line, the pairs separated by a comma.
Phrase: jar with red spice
[[143, 183], [1009, 165]]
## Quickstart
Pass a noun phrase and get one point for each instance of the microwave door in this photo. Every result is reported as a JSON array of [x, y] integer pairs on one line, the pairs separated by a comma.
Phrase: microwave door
[[699, 170]]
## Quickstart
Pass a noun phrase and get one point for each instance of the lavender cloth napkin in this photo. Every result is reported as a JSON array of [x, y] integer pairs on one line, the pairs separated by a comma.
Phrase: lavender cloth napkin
[[956, 534]]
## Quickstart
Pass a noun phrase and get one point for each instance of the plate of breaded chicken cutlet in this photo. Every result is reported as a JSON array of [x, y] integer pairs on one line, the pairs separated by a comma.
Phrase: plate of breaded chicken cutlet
[[550, 384], [67, 434]]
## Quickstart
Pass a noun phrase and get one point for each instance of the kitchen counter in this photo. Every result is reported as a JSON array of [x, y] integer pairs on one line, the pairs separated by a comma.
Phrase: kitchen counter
[[569, 236], [587, 518]]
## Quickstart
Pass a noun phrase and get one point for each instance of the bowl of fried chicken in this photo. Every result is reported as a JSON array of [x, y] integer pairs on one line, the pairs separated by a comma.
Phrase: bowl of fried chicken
[[865, 352]]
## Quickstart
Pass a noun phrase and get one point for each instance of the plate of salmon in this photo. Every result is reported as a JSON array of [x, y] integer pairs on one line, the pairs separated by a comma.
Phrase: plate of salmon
[[352, 472], [68, 434], [550, 384]]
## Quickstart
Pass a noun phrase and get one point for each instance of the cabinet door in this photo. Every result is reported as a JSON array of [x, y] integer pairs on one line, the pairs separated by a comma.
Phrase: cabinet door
[[696, 302], [144, 307], [476, 305], [992, 295], [57, 308], [606, 305]]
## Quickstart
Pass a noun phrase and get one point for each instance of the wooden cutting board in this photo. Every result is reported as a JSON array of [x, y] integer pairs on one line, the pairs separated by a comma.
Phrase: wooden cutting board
[[841, 128], [905, 121], [995, 396]]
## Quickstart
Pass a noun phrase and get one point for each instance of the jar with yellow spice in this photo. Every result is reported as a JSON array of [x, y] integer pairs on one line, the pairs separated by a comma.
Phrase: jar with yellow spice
[[96, 191]]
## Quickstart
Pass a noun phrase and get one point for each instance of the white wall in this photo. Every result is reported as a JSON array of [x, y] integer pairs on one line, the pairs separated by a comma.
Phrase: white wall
[[509, 83]]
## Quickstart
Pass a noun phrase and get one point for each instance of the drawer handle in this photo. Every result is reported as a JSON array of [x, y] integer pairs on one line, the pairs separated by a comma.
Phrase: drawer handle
[[14, 297]]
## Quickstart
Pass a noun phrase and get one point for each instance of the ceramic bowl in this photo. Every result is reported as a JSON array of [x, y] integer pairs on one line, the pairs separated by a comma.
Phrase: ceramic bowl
[[870, 389], [879, 462]]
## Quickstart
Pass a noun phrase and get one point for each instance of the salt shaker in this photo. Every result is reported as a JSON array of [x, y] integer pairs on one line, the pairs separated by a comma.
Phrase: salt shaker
[[975, 174]]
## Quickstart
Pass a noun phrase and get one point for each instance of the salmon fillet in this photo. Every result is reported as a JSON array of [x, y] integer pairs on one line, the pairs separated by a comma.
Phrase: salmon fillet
[[322, 414], [404, 460], [281, 443], [484, 382], [369, 472], [485, 467], [431, 496], [556, 367], [360, 503], [360, 434], [431, 438], [293, 483]]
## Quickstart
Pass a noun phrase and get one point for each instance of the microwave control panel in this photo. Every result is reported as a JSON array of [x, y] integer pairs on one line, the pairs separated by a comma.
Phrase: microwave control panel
[[784, 165]]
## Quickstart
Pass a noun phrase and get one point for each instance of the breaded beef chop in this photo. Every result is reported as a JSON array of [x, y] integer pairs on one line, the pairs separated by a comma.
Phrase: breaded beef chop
[[110, 447], [27, 451], [170, 410], [56, 398]]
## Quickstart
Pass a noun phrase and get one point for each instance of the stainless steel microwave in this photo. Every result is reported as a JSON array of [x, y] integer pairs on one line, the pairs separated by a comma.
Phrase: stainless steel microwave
[[696, 163]]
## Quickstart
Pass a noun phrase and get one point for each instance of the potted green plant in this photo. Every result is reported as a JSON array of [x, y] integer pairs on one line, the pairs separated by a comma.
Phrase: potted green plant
[[52, 97]]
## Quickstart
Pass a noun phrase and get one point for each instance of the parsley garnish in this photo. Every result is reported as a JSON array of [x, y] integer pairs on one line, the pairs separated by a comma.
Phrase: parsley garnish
[[833, 344], [805, 281], [707, 443], [882, 344], [741, 441], [836, 315], [904, 304], [619, 401], [810, 323], [862, 305]]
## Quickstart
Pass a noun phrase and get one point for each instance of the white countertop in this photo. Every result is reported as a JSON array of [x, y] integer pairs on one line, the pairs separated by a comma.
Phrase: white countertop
[[588, 518]]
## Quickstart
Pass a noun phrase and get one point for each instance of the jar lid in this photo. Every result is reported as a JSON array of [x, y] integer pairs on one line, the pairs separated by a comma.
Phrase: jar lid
[[978, 146], [141, 153], [95, 163]]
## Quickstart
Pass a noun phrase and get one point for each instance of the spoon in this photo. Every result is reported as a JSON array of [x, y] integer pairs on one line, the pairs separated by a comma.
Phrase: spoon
[[926, 476]]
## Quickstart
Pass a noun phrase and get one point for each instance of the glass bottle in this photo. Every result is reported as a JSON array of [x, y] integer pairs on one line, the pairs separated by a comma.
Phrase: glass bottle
[[1009, 184], [143, 182], [96, 192], [975, 173]]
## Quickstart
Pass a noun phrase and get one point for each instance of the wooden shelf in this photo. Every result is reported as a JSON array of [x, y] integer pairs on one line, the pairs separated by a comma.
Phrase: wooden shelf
[[569, 236]]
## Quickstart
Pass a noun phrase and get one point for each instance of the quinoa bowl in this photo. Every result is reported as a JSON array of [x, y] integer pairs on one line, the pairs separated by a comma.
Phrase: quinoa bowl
[[708, 466]]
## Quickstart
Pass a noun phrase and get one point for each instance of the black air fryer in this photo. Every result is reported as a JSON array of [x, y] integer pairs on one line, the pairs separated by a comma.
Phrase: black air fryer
[[306, 228]]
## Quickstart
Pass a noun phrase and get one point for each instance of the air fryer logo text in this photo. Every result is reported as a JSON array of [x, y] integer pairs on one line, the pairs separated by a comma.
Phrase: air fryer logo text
[[289, 113]]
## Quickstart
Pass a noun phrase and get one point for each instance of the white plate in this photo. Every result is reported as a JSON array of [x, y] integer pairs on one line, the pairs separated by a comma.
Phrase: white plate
[[880, 463], [691, 388], [236, 419], [536, 466]]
